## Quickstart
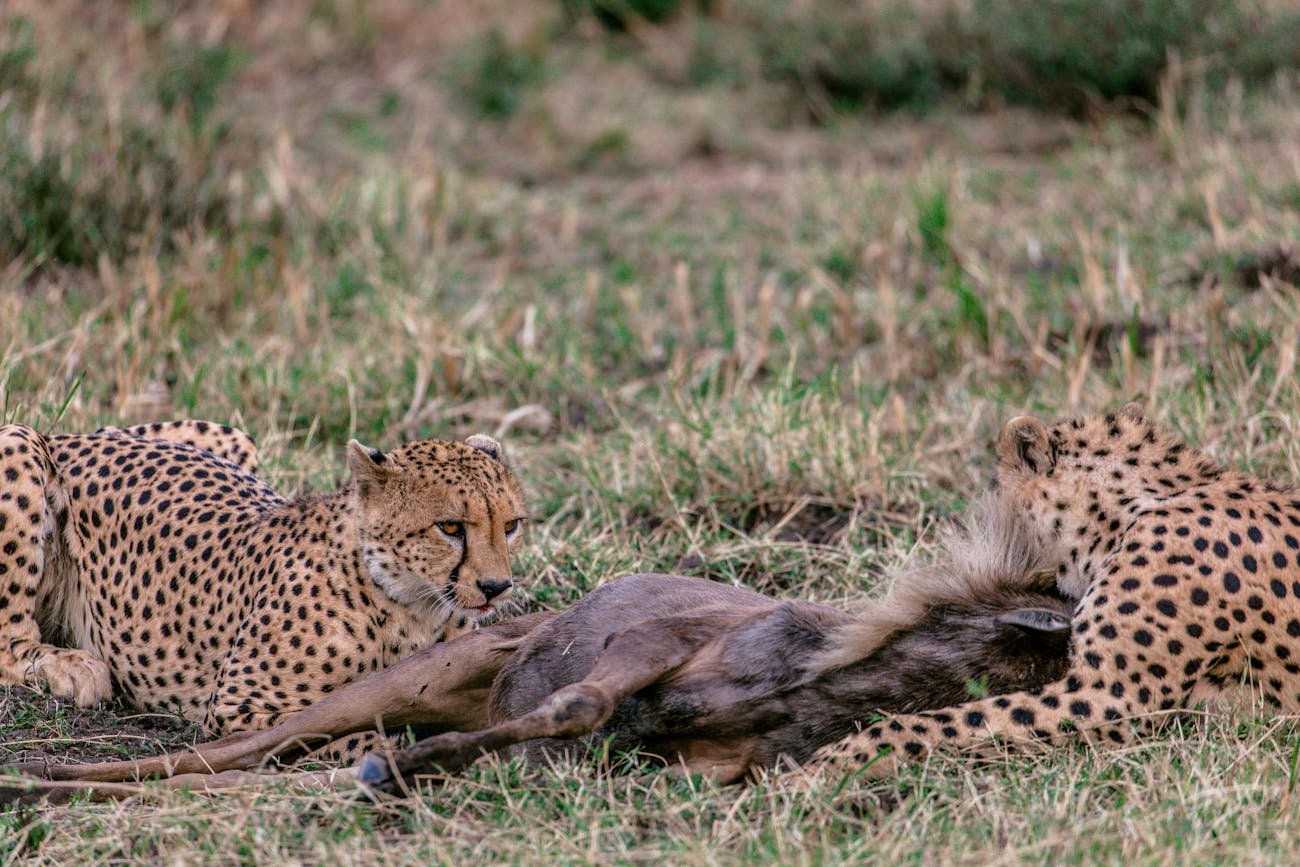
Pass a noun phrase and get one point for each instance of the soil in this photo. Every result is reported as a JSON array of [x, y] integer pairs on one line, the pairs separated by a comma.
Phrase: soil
[[36, 726], [1280, 262]]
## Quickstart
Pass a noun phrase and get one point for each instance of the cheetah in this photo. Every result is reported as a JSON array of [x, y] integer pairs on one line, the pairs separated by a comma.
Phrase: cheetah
[[153, 558], [1188, 580]]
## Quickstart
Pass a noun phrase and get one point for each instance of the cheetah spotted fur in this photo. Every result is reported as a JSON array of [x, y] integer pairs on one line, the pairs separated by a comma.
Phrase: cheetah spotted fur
[[153, 558], [1188, 575]]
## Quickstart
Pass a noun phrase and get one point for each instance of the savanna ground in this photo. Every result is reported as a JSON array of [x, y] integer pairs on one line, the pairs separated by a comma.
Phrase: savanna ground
[[747, 291]]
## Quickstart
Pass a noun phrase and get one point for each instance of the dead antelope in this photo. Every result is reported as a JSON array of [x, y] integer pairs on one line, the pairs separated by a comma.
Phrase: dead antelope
[[718, 679]]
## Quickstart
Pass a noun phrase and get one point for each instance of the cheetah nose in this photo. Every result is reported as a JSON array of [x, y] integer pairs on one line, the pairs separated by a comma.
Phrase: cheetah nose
[[493, 589]]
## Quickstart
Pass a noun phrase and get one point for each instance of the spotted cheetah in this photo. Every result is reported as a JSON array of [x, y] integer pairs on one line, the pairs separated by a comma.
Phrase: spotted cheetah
[[152, 557], [1188, 576]]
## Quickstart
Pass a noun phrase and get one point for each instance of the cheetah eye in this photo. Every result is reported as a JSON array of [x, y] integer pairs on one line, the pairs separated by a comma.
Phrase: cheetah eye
[[512, 525], [455, 529]]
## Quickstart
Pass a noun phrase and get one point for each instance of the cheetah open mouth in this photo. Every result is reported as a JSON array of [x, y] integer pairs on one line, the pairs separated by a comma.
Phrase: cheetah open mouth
[[481, 613], [484, 614], [478, 612]]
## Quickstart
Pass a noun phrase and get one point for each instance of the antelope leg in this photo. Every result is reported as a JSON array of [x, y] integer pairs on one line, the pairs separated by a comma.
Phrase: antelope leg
[[641, 654], [30, 790], [444, 686]]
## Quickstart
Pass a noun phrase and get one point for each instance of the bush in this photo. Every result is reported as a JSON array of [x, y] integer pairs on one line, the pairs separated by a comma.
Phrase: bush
[[1062, 54], [1059, 54], [494, 75], [850, 54], [616, 14], [72, 202], [86, 185], [1066, 53]]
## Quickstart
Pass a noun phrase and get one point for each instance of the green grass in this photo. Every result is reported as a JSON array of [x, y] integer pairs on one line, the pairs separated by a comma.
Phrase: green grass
[[715, 340]]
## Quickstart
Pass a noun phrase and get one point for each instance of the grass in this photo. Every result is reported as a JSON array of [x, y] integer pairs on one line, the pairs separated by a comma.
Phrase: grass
[[717, 340]]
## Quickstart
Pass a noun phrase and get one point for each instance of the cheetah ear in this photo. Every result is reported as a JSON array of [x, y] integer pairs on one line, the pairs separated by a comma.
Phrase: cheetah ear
[[370, 467], [1134, 411], [487, 446], [1023, 444], [1039, 624]]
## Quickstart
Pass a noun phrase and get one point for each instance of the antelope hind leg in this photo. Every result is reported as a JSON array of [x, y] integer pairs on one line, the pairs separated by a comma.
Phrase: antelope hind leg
[[445, 685], [634, 658], [30, 790]]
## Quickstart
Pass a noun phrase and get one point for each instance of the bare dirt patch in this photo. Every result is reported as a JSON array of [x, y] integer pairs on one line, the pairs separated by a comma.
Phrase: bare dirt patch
[[38, 726]]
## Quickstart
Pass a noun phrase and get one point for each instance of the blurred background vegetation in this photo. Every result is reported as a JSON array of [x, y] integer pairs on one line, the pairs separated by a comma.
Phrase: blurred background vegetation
[[85, 172]]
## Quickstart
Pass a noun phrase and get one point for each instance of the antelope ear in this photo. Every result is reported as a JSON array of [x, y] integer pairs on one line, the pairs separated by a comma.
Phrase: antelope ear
[[369, 467], [487, 446], [1134, 411], [1023, 444], [1035, 620], [1049, 628]]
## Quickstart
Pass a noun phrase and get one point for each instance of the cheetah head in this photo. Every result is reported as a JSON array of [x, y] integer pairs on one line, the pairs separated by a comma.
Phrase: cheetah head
[[1082, 481], [437, 523]]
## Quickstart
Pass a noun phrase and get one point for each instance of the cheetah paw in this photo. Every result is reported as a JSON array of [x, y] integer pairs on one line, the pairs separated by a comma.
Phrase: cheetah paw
[[75, 674]]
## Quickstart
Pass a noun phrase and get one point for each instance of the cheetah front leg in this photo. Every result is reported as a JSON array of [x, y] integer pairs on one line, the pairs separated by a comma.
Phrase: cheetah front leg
[[1052, 714], [29, 500], [351, 749], [1125, 671]]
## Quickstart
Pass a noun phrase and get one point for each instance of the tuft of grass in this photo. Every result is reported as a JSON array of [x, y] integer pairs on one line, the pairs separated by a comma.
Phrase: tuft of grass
[[17, 56], [496, 74], [972, 314], [190, 79], [932, 223]]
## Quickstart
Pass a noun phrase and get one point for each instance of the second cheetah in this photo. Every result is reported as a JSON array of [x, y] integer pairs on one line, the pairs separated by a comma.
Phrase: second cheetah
[[1188, 575]]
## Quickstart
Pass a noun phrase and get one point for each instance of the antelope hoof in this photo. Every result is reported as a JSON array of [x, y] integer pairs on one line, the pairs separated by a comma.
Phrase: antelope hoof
[[372, 771]]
